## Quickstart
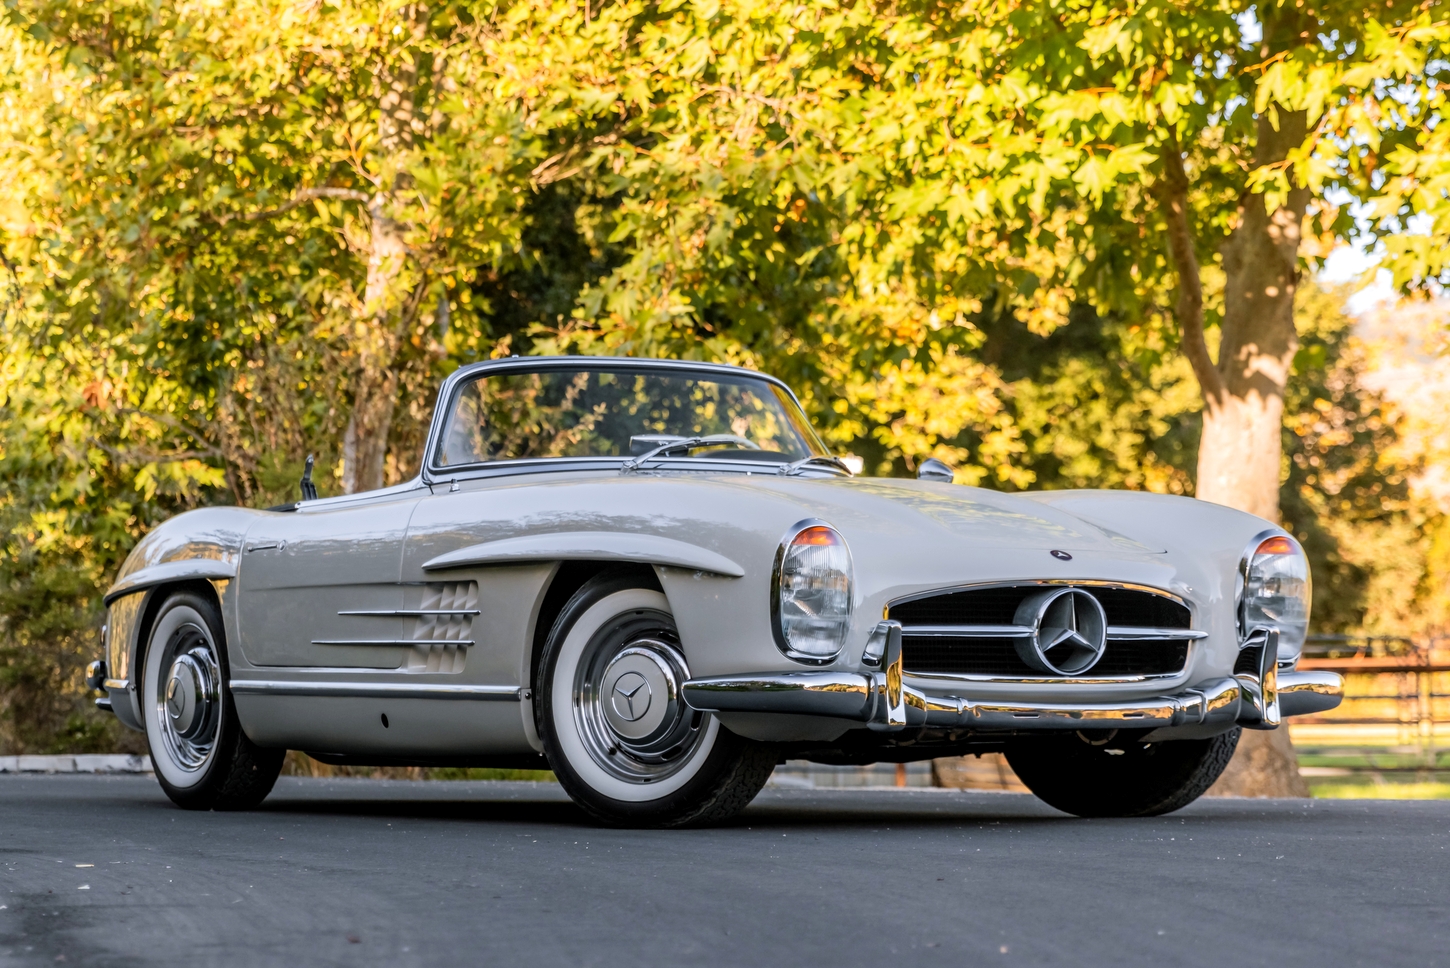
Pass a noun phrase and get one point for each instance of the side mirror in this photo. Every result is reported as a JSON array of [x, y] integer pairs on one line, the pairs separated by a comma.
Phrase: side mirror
[[932, 469], [309, 490]]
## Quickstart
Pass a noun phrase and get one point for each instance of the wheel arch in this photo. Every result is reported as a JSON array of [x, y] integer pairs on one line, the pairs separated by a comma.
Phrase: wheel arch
[[566, 580], [151, 608]]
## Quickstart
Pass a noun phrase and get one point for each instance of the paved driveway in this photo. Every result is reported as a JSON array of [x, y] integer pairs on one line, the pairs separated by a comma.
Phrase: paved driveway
[[104, 871]]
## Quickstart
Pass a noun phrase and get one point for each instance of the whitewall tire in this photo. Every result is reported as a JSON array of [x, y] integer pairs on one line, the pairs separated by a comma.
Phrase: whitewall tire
[[202, 758], [614, 722]]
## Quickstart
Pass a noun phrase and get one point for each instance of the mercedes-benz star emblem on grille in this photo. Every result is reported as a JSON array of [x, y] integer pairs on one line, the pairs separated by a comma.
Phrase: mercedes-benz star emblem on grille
[[631, 696], [1069, 631]]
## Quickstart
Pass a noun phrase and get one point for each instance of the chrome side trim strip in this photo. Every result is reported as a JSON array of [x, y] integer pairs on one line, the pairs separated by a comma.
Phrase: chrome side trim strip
[[378, 690], [463, 642], [1120, 633], [411, 612]]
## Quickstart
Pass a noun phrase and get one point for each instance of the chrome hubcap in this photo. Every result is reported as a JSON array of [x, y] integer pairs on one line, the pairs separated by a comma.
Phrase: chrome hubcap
[[189, 698], [627, 700]]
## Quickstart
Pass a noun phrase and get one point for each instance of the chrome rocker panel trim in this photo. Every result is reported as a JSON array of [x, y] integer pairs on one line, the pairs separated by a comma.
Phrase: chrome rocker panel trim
[[377, 690], [884, 702]]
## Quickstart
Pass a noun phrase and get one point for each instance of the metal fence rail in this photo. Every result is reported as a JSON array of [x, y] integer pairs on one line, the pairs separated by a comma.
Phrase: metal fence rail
[[1393, 727]]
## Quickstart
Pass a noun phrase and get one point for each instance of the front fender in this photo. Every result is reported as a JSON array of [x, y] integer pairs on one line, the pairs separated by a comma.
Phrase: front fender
[[193, 569], [645, 549]]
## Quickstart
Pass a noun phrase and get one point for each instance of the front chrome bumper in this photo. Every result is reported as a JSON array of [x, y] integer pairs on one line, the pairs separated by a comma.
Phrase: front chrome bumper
[[1257, 699]]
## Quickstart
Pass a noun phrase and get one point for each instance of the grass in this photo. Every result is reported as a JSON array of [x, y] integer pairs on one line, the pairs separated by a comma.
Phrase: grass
[[478, 773], [1370, 788]]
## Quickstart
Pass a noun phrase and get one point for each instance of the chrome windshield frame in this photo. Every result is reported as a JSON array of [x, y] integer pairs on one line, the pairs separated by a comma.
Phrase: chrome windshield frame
[[432, 473]]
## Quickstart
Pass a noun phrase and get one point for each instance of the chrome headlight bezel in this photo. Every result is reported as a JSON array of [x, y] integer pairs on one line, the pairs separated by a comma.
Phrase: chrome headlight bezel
[[1292, 633], [780, 621]]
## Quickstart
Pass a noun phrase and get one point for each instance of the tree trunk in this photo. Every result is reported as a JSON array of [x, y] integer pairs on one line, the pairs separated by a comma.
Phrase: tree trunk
[[1264, 765], [379, 326], [1241, 450], [375, 386]]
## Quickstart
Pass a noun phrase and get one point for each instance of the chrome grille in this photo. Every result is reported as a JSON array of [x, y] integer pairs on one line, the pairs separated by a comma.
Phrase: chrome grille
[[972, 632]]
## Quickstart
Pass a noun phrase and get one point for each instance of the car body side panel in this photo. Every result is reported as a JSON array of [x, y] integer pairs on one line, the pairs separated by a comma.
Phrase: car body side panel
[[507, 600], [354, 726], [300, 570]]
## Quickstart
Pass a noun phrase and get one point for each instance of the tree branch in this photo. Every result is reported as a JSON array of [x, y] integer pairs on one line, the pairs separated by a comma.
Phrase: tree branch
[[301, 198], [561, 166], [1185, 262]]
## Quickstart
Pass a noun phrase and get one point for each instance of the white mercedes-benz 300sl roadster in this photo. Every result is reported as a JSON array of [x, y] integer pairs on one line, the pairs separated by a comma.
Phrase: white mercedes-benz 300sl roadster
[[652, 578]]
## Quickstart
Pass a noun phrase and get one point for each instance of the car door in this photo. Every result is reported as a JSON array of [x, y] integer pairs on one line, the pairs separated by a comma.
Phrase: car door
[[499, 601], [320, 586]]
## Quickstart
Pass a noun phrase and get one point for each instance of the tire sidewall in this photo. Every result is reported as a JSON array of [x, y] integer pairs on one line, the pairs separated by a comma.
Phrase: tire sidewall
[[608, 797], [185, 787]]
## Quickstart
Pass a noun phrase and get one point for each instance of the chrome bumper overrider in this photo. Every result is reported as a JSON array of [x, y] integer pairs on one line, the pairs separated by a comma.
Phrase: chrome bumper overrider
[[881, 699]]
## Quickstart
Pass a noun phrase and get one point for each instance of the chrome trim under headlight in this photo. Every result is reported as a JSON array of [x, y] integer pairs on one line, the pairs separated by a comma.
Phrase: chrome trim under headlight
[[810, 593]]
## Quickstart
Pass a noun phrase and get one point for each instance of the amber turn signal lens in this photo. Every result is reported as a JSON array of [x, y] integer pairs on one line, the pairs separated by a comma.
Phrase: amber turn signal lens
[[1277, 545], [817, 537]]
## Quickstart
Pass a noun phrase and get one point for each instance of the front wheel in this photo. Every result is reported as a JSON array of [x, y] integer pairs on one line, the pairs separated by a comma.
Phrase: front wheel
[[202, 758], [612, 715], [1096, 773]]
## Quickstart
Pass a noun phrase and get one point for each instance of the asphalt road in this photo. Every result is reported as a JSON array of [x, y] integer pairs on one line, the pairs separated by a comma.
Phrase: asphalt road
[[105, 871]]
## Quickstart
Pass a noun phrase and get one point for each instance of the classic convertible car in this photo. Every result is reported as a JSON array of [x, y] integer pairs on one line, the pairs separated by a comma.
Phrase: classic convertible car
[[652, 578]]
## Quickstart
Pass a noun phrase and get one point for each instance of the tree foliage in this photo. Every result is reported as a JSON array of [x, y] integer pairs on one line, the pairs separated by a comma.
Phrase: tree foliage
[[238, 233]]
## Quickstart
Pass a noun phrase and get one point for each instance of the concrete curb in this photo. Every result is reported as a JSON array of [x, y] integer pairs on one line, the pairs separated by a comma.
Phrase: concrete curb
[[79, 763]]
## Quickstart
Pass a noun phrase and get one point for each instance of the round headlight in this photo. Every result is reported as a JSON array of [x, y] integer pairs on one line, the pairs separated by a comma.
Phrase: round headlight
[[1276, 592], [812, 592]]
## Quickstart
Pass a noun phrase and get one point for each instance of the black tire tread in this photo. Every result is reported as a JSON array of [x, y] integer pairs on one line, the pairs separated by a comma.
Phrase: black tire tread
[[1084, 780], [253, 771], [1221, 751], [735, 790]]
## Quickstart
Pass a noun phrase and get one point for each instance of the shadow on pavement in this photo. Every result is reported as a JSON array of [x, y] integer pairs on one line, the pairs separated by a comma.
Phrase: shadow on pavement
[[547, 803]]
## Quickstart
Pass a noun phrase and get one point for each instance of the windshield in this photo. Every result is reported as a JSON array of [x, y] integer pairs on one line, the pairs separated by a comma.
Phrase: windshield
[[621, 412]]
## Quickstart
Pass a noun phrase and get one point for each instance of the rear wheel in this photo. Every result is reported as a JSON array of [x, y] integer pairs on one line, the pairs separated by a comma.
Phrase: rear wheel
[[202, 758], [1109, 773], [616, 729]]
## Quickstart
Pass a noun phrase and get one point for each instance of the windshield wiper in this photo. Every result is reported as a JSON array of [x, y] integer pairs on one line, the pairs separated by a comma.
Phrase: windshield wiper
[[685, 444], [795, 467]]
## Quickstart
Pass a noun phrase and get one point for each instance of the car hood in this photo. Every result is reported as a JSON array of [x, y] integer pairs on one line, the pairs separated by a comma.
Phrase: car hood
[[982, 519]]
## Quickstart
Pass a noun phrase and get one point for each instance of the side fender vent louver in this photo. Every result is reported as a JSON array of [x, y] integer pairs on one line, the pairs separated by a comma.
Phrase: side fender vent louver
[[444, 630]]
